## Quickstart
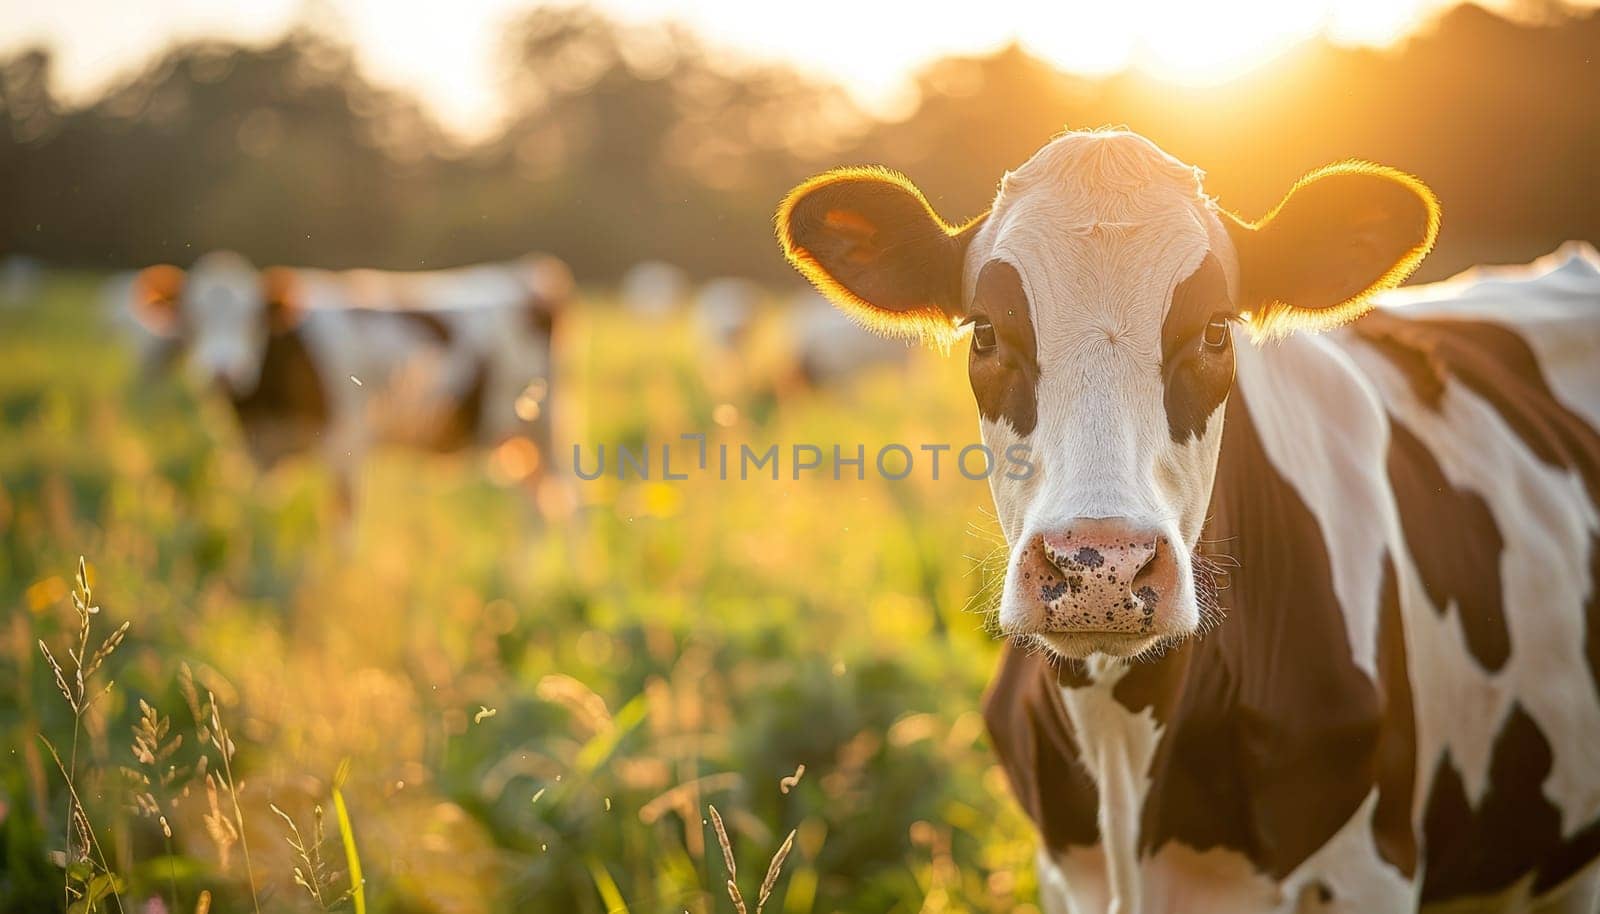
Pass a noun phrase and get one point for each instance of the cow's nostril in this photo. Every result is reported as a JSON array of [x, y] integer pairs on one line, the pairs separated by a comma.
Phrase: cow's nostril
[[1146, 564]]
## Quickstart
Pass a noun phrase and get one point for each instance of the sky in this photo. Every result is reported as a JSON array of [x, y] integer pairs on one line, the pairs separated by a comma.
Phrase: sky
[[446, 52]]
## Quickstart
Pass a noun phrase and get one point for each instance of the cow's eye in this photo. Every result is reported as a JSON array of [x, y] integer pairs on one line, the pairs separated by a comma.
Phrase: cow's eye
[[1217, 333], [983, 338]]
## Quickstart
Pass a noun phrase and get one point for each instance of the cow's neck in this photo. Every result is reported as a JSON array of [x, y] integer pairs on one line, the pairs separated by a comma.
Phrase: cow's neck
[[1210, 745]]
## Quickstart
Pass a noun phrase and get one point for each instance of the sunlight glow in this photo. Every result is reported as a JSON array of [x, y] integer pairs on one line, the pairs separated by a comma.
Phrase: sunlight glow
[[1202, 44], [448, 53]]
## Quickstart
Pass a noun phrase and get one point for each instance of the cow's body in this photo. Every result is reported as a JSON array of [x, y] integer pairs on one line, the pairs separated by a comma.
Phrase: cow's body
[[440, 361], [1401, 708], [1303, 624]]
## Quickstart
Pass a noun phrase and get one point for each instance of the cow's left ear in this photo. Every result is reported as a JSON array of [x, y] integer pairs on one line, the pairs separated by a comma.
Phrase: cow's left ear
[[1342, 234], [284, 292], [869, 241]]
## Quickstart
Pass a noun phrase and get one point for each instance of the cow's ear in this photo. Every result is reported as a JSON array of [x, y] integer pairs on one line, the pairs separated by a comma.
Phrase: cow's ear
[[284, 292], [869, 241], [156, 293], [1342, 234]]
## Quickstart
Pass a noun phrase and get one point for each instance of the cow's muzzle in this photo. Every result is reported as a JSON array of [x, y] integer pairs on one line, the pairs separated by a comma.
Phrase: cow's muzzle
[[1097, 584]]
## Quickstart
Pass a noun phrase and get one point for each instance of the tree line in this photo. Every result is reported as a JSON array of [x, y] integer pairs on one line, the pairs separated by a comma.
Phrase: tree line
[[625, 143]]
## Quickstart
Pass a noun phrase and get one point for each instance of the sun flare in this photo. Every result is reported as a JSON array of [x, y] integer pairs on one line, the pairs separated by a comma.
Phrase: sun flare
[[1204, 44]]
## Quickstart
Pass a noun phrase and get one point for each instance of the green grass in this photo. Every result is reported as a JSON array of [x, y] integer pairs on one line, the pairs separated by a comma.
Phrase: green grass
[[675, 644]]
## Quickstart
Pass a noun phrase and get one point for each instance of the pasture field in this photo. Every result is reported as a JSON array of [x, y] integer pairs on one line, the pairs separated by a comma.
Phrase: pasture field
[[532, 717]]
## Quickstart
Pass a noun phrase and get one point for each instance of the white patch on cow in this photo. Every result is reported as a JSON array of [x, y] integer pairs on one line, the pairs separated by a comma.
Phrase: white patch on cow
[[1352, 870], [1323, 429], [1548, 524], [1011, 496], [1116, 746], [1177, 880]]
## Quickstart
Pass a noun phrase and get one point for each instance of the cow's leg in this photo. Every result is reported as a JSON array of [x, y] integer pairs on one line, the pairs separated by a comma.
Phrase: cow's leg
[[345, 448], [1580, 895]]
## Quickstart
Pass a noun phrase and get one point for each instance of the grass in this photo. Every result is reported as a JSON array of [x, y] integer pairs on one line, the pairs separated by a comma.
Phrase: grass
[[535, 717]]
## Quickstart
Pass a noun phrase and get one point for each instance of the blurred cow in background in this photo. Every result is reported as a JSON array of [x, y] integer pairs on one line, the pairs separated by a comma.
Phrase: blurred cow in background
[[829, 348], [726, 310], [334, 363], [20, 279], [653, 289]]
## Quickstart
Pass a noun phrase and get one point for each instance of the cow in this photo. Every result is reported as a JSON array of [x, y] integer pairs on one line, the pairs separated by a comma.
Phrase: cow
[[653, 290], [725, 313], [829, 350], [1295, 620], [335, 363], [21, 280]]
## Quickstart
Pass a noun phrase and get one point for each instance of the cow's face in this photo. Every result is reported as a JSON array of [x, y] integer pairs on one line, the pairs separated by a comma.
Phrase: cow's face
[[222, 310], [1104, 293]]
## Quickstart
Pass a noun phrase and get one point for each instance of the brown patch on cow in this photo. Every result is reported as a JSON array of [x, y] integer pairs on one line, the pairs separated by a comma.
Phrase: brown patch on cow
[[457, 429], [1195, 378], [1393, 338], [288, 410], [430, 323], [1455, 544], [541, 314], [1072, 673], [1396, 763], [1244, 763], [1032, 737], [1005, 381], [1513, 830], [284, 293], [1498, 365]]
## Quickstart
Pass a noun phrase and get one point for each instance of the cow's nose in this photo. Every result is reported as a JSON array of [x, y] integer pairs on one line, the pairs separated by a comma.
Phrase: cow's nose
[[1104, 548], [1098, 575]]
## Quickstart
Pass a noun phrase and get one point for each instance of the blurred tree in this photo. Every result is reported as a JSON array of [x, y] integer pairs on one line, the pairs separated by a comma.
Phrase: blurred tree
[[623, 143]]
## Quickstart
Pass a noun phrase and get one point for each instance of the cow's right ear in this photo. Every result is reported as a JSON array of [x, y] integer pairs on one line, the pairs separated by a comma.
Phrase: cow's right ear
[[156, 293], [869, 241], [285, 296]]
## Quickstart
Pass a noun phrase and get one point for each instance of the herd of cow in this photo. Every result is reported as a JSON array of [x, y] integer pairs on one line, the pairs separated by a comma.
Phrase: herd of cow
[[1305, 623], [332, 364]]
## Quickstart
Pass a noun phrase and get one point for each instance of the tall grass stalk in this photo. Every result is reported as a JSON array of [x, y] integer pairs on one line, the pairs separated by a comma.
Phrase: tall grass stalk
[[84, 666], [774, 867], [224, 744], [347, 834]]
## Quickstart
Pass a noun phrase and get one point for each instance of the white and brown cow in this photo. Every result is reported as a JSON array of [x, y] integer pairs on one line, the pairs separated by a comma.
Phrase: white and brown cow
[[335, 363], [1385, 697]]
